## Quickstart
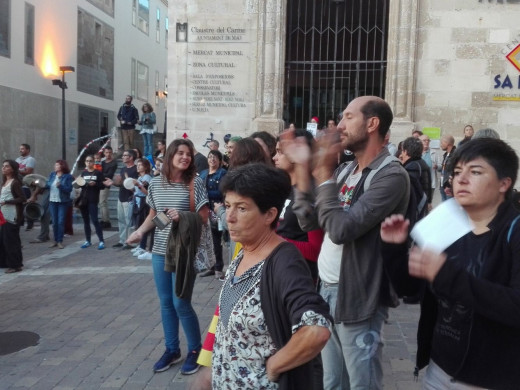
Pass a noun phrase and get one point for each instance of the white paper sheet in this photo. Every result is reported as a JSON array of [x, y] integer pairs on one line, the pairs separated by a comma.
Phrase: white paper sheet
[[442, 227]]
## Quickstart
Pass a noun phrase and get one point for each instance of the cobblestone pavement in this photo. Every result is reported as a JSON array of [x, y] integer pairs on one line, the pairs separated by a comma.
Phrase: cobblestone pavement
[[97, 315]]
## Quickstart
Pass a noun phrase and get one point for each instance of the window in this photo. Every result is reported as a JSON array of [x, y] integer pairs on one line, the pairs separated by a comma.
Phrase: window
[[142, 82], [95, 51], [158, 26], [98, 38], [134, 12], [133, 75], [156, 88], [166, 32], [104, 5], [165, 90], [143, 15], [5, 28], [29, 34]]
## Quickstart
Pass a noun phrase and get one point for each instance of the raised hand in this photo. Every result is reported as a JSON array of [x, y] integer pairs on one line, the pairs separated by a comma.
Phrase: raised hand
[[394, 229], [425, 264]]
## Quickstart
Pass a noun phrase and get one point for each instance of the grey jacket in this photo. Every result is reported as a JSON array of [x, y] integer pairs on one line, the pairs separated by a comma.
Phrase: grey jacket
[[362, 283]]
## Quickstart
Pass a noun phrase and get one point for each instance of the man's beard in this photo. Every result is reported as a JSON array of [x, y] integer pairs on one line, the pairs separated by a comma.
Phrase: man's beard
[[356, 145]]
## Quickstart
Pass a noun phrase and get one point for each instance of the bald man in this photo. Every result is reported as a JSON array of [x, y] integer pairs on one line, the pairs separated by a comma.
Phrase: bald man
[[350, 212]]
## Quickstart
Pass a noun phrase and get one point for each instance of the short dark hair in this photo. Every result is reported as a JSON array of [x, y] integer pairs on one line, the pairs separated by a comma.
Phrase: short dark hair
[[26, 146], [146, 164], [265, 185], [108, 147], [311, 142], [215, 142], [497, 153], [216, 153], [132, 153], [246, 151], [269, 140], [413, 147], [380, 109]]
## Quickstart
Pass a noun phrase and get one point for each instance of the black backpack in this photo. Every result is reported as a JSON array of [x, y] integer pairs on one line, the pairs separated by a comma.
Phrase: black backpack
[[417, 205]]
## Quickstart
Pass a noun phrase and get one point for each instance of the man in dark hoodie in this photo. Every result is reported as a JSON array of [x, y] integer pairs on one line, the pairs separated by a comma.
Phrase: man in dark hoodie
[[128, 117]]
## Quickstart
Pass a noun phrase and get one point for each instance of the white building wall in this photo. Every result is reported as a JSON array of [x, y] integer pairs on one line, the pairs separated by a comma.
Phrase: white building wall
[[30, 106]]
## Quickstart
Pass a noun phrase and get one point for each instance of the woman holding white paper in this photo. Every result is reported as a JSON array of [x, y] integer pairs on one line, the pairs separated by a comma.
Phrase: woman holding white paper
[[469, 332]]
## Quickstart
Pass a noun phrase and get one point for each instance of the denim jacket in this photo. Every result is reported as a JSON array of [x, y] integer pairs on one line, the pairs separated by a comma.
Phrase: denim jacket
[[65, 185]]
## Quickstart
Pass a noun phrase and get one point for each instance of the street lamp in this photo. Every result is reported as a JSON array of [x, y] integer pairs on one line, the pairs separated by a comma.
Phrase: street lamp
[[63, 85]]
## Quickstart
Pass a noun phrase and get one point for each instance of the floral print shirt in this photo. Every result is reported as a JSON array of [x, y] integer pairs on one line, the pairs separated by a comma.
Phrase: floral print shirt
[[242, 340]]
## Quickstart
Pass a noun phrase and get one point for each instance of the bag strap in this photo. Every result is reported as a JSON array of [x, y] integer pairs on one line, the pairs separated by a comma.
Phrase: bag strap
[[386, 161], [510, 232], [192, 196]]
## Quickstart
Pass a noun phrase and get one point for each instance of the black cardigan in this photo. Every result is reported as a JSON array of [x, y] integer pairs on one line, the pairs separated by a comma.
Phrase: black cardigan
[[492, 322], [287, 291]]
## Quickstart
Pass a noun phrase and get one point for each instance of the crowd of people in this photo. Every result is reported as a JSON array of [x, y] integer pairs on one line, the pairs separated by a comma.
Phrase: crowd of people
[[319, 245]]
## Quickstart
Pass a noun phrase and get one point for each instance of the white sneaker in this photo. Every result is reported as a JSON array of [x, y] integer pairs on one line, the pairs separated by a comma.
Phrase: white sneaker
[[138, 252], [135, 249], [145, 256]]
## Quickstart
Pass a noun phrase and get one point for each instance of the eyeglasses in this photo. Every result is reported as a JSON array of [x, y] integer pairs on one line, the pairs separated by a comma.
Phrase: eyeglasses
[[126, 155], [89, 160]]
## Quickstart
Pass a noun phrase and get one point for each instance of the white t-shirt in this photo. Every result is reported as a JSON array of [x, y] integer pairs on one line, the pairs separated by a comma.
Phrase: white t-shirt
[[26, 162], [329, 260]]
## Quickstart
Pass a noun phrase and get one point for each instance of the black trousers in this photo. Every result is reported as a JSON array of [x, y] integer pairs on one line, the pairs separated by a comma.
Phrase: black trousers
[[217, 248], [10, 246]]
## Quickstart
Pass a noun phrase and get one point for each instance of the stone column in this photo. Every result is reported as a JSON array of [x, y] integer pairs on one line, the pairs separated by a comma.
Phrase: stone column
[[270, 66], [401, 58]]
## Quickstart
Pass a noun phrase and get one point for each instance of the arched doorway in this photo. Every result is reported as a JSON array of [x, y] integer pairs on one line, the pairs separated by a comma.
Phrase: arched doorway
[[336, 50]]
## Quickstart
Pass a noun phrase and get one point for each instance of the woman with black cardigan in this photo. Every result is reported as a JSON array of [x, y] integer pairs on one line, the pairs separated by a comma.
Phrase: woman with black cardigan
[[11, 206]]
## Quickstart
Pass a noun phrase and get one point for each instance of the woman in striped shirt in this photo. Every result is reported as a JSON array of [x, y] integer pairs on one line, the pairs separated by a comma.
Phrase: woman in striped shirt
[[170, 193]]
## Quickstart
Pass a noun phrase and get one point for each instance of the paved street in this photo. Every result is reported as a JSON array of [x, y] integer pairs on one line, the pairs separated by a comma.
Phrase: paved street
[[97, 316]]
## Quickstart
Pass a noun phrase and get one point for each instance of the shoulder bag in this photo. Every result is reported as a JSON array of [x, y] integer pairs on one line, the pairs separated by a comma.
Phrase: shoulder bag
[[205, 258]]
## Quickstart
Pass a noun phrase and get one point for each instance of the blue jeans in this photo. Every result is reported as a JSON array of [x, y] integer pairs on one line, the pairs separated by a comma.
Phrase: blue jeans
[[148, 141], [174, 309], [58, 212], [90, 213], [443, 194], [352, 358]]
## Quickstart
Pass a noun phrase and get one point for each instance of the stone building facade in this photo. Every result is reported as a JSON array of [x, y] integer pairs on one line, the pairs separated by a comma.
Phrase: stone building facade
[[448, 64], [116, 48]]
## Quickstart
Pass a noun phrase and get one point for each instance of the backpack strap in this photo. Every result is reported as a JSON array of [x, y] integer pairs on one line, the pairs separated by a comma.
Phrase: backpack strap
[[373, 172], [344, 169], [510, 232]]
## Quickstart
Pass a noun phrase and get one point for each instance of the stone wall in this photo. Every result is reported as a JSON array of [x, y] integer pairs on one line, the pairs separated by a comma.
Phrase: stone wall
[[461, 49], [226, 68]]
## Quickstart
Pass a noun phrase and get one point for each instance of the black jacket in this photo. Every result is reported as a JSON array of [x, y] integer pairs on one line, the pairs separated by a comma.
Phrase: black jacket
[[129, 114], [287, 291], [471, 321], [181, 251], [92, 192]]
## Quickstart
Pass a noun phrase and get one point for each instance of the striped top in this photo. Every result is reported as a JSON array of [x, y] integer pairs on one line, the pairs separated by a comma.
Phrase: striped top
[[163, 195]]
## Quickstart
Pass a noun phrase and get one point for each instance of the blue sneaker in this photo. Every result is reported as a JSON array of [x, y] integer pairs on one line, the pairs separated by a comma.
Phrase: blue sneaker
[[86, 244], [190, 365], [101, 245], [167, 360]]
